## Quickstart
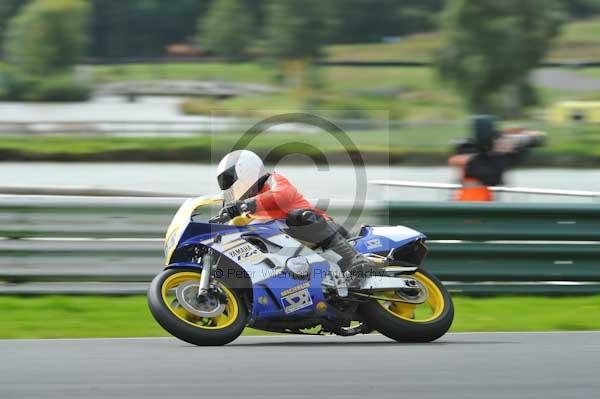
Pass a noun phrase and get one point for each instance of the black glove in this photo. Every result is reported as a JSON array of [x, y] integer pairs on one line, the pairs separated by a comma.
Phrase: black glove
[[239, 207], [220, 218]]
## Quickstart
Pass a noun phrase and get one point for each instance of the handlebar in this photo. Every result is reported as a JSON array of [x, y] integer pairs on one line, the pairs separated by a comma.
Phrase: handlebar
[[222, 218]]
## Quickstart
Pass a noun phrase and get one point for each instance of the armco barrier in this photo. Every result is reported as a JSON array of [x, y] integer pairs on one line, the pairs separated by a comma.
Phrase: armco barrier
[[499, 221], [112, 245], [493, 248]]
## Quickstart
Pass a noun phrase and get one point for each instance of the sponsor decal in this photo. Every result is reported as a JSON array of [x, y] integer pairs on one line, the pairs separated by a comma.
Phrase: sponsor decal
[[228, 241], [295, 289], [232, 244], [374, 243], [296, 301], [243, 253]]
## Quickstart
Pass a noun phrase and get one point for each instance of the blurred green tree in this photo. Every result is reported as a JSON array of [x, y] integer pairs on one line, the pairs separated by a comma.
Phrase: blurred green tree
[[8, 9], [582, 8], [372, 20], [295, 33], [134, 28], [228, 29], [47, 36], [294, 30], [490, 47], [43, 43]]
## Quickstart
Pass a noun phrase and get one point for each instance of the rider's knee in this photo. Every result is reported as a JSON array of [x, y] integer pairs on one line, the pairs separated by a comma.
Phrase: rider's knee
[[308, 225]]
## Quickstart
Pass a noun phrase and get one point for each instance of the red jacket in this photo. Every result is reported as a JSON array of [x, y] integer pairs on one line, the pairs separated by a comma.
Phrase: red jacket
[[278, 197]]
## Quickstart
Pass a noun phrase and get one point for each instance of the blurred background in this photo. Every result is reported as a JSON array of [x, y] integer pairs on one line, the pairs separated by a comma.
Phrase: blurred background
[[141, 81], [142, 97]]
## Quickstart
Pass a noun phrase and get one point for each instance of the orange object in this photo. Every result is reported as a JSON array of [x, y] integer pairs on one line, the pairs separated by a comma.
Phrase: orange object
[[473, 191], [278, 197]]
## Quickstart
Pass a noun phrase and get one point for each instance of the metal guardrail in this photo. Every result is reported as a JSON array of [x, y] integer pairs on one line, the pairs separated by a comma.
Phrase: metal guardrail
[[493, 248], [113, 245], [497, 189], [85, 192], [500, 221]]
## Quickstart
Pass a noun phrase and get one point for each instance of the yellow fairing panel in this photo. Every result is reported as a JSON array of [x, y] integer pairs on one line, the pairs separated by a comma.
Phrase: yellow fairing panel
[[181, 220]]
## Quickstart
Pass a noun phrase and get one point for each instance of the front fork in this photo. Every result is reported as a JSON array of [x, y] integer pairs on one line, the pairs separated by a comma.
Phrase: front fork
[[208, 263]]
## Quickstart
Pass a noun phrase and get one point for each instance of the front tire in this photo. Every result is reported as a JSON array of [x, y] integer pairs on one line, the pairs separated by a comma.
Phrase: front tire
[[179, 322], [405, 322]]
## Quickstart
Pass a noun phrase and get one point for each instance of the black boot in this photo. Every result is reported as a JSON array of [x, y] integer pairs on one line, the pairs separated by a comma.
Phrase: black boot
[[353, 262]]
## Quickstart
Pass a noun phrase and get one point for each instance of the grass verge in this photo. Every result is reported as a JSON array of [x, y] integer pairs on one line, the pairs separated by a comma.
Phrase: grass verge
[[408, 144], [412, 94], [91, 316], [578, 40], [231, 72], [409, 94]]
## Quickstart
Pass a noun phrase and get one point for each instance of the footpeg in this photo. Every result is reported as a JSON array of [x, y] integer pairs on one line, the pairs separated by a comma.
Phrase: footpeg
[[336, 280]]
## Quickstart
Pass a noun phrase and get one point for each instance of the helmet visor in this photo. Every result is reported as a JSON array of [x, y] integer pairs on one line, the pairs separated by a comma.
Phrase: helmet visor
[[227, 178]]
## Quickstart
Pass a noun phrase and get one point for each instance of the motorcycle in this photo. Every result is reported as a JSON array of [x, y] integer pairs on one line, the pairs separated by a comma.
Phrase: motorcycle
[[224, 274]]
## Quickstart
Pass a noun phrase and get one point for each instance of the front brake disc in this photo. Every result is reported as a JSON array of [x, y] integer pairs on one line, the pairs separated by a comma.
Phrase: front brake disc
[[206, 306]]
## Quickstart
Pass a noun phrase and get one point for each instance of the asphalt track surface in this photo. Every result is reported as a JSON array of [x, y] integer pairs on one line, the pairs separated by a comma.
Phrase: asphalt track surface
[[498, 365]]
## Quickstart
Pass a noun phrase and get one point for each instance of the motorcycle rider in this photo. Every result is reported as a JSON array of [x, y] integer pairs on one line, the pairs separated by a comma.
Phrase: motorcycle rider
[[485, 158], [249, 188]]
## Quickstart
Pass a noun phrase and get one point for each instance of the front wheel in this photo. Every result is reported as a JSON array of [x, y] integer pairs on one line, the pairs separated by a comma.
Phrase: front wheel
[[407, 322], [173, 301]]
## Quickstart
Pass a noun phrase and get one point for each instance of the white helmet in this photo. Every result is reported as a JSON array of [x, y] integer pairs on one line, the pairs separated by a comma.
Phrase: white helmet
[[239, 175]]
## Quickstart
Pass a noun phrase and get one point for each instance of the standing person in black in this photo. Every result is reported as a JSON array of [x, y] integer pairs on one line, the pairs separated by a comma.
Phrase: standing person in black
[[485, 158]]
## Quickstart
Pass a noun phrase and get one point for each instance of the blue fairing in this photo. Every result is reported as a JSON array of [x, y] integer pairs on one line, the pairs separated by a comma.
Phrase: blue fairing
[[384, 239], [197, 232], [282, 295], [270, 300]]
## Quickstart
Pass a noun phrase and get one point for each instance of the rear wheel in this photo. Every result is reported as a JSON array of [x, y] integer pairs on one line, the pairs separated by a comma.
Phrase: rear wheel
[[412, 322], [172, 298]]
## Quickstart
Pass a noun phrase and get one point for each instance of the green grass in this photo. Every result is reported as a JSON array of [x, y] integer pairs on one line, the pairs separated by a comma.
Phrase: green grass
[[96, 145], [527, 314], [91, 316], [418, 47], [410, 106], [78, 317], [233, 72], [408, 137], [352, 78], [409, 144], [374, 146], [406, 93], [410, 94], [579, 40]]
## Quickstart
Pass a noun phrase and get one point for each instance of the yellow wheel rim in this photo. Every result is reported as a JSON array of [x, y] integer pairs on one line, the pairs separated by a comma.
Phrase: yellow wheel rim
[[223, 320], [430, 310]]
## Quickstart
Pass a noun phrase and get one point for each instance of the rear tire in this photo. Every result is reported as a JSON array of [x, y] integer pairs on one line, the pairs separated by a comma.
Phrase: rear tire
[[401, 328], [182, 325]]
